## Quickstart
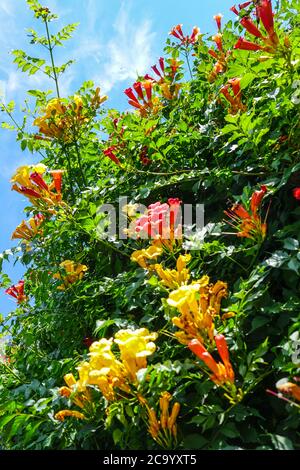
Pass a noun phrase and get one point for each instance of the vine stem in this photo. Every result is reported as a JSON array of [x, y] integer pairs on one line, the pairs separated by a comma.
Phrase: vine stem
[[52, 58], [69, 171], [11, 372], [189, 170], [188, 63], [80, 163], [78, 154]]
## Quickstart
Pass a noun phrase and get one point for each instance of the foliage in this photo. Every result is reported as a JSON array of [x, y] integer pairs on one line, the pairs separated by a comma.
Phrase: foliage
[[212, 126]]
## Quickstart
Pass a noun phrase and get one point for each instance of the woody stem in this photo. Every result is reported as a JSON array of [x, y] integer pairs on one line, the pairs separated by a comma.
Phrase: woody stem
[[52, 58]]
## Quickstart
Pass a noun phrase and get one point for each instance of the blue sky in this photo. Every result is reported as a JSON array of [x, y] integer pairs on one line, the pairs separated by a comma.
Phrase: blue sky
[[115, 40]]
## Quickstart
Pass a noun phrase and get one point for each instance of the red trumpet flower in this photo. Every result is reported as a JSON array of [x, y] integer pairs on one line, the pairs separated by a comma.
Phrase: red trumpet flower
[[155, 70], [109, 152], [131, 95], [296, 193], [222, 371], [39, 181], [57, 179], [162, 63], [250, 27], [249, 223], [247, 45], [265, 14], [234, 99], [28, 192], [194, 36], [144, 101], [218, 40], [138, 89], [148, 84], [256, 200], [177, 33], [17, 291], [218, 20], [244, 5], [185, 40], [219, 54]]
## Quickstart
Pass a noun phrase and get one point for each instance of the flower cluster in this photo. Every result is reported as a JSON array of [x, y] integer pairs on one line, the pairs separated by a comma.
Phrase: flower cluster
[[163, 429], [174, 278], [198, 304], [142, 257], [28, 180], [177, 33], [135, 346], [61, 119], [108, 374], [219, 53], [161, 223], [112, 150], [264, 14], [17, 292], [166, 78], [73, 272], [26, 231], [141, 97], [222, 371], [233, 94], [248, 223]]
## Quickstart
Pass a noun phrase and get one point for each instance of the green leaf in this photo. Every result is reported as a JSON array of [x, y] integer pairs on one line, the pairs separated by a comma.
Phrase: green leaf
[[247, 79], [194, 441], [291, 244], [23, 145], [281, 442], [277, 259]]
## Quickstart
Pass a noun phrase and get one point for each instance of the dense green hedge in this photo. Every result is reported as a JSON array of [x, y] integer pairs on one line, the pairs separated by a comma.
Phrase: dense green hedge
[[221, 128]]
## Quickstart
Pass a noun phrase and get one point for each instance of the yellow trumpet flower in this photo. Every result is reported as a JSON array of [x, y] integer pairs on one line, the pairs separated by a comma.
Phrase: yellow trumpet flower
[[198, 304], [61, 415], [74, 272], [141, 256]]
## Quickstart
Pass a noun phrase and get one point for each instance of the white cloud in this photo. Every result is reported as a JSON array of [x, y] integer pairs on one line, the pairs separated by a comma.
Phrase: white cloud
[[129, 52], [7, 6]]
